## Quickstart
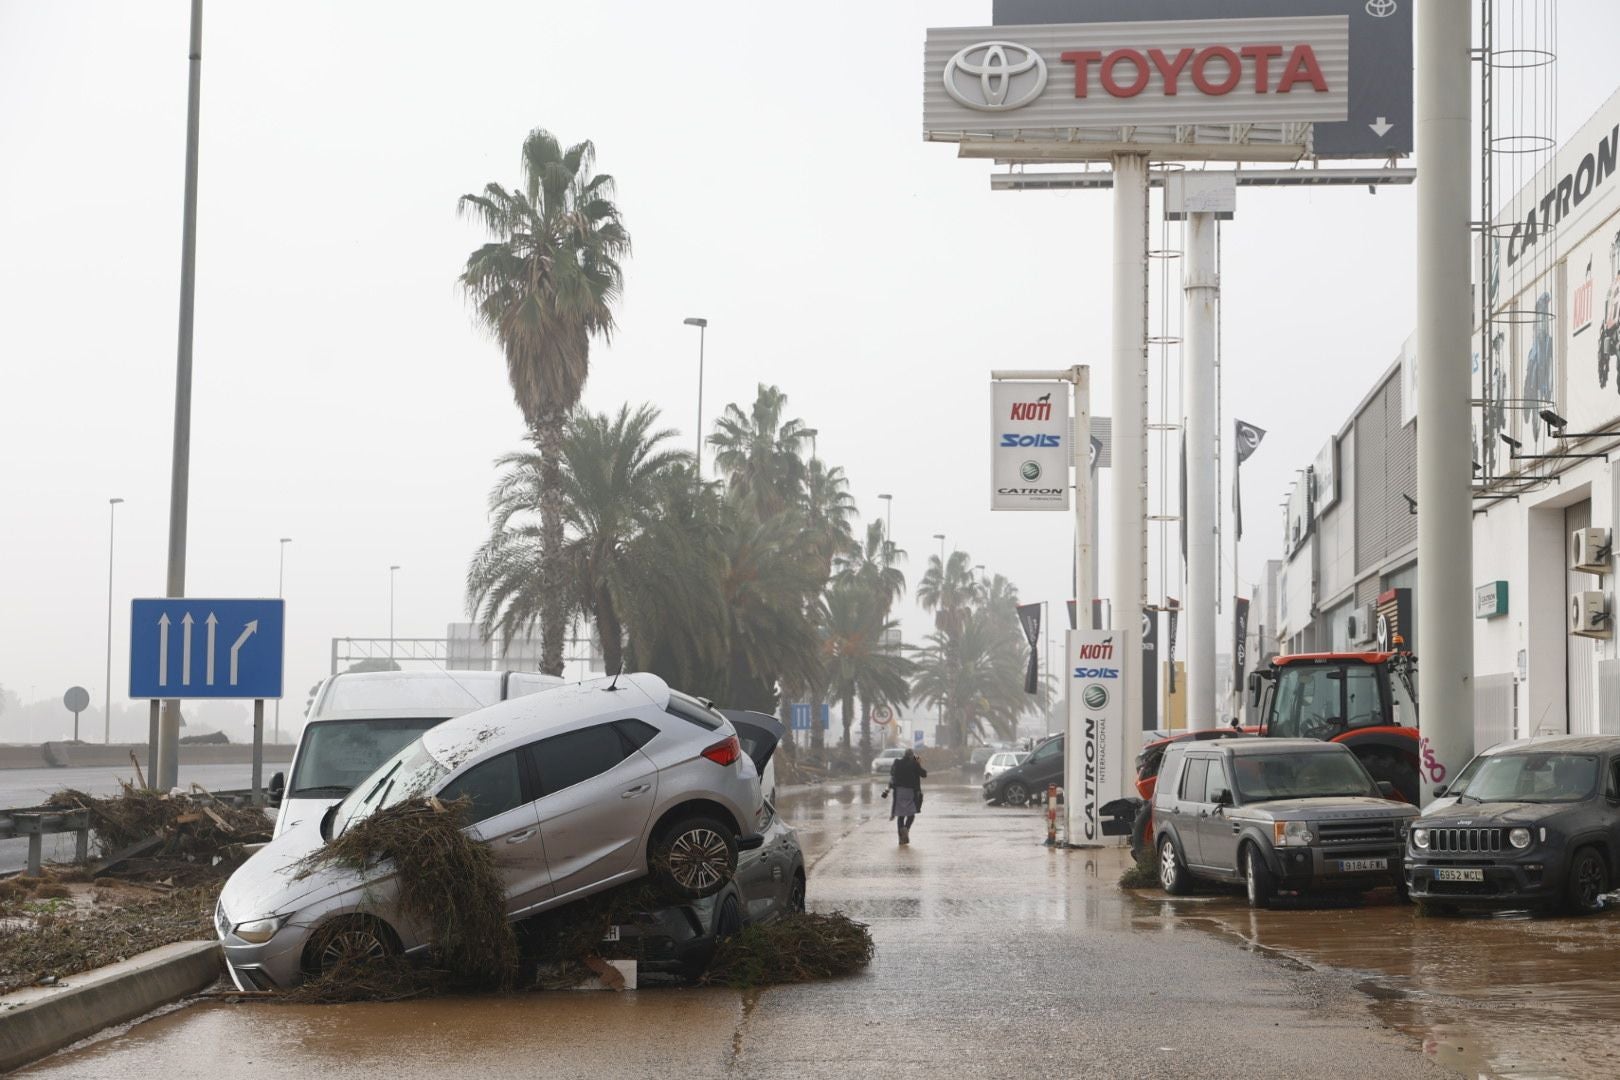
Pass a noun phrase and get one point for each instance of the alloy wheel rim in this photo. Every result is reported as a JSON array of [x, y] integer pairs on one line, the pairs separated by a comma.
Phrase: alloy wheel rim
[[352, 947], [1167, 865], [1016, 794], [1588, 880], [1248, 877], [699, 859]]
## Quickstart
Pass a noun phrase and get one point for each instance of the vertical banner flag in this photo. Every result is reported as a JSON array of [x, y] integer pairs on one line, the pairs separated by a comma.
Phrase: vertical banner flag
[[1240, 639], [1029, 617], [1030, 453], [1170, 652], [1094, 765], [1248, 441], [1150, 670]]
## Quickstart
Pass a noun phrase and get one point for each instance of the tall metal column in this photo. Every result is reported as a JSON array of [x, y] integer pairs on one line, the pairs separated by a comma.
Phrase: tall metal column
[[1130, 404], [1445, 533], [167, 767], [1201, 292]]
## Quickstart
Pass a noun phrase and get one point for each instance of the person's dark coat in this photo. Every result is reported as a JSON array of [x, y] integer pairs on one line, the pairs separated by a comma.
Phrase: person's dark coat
[[907, 772]]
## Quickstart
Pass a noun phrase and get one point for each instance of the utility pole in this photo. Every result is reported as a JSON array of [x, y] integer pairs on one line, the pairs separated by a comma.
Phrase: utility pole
[[167, 766], [281, 585], [1130, 393], [106, 706], [1444, 338]]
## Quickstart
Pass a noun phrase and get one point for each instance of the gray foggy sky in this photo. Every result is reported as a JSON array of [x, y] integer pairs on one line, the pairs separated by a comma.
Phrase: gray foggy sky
[[772, 174]]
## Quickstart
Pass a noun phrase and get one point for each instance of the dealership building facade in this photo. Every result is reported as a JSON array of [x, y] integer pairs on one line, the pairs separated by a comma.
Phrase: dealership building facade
[[1545, 496]]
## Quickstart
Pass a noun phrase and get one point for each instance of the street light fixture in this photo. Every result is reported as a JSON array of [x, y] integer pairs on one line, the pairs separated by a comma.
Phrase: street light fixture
[[941, 538], [106, 701], [281, 581], [703, 329], [888, 528]]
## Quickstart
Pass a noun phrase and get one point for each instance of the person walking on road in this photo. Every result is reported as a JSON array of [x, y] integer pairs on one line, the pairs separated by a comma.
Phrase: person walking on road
[[905, 785]]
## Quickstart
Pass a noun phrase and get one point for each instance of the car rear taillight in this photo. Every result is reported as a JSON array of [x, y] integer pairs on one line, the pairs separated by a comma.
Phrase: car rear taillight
[[724, 752]]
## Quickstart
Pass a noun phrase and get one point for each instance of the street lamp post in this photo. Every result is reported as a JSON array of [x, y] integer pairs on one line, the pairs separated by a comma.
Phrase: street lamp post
[[281, 583], [106, 706], [392, 571], [888, 527], [703, 329], [941, 538]]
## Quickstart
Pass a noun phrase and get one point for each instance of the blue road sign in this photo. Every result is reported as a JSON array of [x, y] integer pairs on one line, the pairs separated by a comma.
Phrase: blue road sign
[[199, 648], [800, 712]]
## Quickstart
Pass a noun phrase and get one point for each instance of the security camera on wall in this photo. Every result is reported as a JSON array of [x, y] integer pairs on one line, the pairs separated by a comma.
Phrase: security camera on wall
[[1589, 551], [1589, 614]]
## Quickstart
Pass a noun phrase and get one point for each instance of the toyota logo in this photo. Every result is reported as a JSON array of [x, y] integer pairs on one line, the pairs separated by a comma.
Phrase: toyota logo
[[982, 76], [1380, 9]]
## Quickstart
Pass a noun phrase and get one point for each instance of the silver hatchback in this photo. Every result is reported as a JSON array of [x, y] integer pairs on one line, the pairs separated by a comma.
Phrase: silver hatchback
[[575, 790]]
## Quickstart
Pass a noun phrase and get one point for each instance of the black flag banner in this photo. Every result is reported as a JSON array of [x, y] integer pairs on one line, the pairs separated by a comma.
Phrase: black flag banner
[[1170, 655], [1248, 441], [1240, 638], [1029, 617]]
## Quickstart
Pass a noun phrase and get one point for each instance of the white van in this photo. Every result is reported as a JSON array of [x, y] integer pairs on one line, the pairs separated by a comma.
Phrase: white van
[[361, 719]]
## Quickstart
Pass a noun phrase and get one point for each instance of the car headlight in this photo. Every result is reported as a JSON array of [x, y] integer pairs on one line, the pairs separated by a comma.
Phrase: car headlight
[[1519, 838], [1420, 839], [259, 931], [1291, 833]]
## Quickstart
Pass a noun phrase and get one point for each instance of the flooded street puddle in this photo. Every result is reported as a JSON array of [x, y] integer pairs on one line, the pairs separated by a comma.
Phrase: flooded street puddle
[[1507, 995]]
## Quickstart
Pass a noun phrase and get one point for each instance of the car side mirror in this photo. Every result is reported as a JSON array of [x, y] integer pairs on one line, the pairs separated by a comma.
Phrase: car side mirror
[[1223, 797], [1387, 789], [1254, 688], [1439, 791], [278, 786]]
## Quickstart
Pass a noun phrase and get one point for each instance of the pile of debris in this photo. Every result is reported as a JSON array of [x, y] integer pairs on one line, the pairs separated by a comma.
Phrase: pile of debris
[[447, 882], [138, 824], [798, 947]]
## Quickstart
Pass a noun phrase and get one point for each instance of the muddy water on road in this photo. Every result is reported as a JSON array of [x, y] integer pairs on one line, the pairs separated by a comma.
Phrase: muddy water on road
[[1510, 996]]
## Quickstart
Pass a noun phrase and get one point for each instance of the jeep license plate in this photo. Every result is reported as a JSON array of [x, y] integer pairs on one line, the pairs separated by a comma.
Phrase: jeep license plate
[[1350, 866], [1458, 873]]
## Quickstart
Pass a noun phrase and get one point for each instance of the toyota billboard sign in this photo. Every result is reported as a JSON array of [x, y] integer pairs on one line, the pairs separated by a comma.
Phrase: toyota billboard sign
[[1062, 76], [1030, 452]]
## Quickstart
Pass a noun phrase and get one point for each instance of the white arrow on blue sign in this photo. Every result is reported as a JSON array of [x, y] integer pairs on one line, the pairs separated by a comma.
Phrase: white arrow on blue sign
[[205, 648]]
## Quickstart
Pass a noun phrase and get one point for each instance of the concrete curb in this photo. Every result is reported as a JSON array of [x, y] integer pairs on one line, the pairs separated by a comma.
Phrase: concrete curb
[[39, 1020]]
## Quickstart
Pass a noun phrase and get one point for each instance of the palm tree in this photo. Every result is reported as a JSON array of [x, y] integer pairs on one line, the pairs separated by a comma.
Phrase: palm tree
[[761, 453], [948, 590], [874, 569], [611, 468], [857, 662], [827, 508], [975, 676], [544, 286]]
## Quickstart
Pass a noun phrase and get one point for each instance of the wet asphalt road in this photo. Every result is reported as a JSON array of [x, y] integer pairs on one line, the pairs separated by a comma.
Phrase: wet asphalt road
[[996, 958]]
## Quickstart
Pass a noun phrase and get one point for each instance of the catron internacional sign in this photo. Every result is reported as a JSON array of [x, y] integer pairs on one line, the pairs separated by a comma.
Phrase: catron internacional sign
[[1060, 76], [1030, 449]]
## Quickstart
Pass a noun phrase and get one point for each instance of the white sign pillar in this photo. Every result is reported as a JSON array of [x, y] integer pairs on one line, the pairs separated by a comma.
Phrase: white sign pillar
[[1445, 643], [1130, 408], [1201, 289], [1085, 587]]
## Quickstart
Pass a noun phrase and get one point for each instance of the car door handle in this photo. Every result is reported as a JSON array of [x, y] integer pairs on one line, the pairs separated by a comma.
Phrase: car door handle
[[518, 838], [639, 789]]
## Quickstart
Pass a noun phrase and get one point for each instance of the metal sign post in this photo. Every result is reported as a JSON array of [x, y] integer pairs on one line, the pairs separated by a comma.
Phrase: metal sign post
[[258, 751], [77, 699]]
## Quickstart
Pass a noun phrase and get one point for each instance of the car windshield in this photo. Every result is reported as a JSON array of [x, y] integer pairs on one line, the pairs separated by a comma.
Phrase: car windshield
[[338, 754], [1261, 777], [1318, 702], [411, 772], [1534, 778]]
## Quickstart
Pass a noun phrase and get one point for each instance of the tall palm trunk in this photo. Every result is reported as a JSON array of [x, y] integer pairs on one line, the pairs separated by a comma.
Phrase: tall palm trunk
[[548, 439], [611, 631], [866, 731], [818, 736], [849, 715]]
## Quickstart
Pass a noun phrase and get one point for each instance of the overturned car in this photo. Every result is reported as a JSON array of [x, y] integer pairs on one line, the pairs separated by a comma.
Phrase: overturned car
[[575, 790]]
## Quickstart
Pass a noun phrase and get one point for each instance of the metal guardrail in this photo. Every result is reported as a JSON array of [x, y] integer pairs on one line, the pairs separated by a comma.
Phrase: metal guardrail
[[38, 822]]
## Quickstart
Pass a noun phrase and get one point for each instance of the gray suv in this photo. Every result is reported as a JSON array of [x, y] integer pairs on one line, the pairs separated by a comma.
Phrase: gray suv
[[1278, 815]]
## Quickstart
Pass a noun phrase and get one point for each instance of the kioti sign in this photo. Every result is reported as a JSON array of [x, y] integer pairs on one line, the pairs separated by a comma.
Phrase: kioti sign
[[1094, 753], [1030, 452], [1059, 76]]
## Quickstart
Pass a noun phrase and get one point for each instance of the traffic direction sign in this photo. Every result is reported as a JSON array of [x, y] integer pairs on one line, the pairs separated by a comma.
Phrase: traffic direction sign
[[201, 648]]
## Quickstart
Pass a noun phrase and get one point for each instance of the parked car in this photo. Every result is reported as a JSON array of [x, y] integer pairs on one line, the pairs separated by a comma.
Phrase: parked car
[[680, 939], [360, 719], [1001, 761], [1276, 815], [887, 758], [1531, 823], [575, 790], [978, 757], [1019, 784]]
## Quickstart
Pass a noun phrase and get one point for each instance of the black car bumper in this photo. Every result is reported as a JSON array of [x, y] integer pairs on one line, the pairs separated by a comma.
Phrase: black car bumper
[[1503, 882], [1318, 869]]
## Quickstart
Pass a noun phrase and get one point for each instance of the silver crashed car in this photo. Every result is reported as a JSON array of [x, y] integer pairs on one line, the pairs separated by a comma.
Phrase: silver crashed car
[[575, 790]]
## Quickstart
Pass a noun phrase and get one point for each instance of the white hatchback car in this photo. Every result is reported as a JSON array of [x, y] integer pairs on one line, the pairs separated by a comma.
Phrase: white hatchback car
[[1001, 762], [886, 759], [575, 790]]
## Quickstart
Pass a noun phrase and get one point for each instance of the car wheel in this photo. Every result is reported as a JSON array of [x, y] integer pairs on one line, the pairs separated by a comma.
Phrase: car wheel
[[1257, 878], [348, 943], [1173, 877], [796, 894], [695, 857], [1139, 830], [1015, 794], [729, 921], [1588, 881]]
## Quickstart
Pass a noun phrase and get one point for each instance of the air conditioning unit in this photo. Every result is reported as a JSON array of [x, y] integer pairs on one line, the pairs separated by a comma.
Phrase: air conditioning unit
[[1589, 551], [1363, 624], [1589, 614]]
